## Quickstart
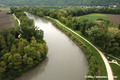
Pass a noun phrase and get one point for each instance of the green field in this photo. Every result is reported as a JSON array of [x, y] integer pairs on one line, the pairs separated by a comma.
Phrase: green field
[[5, 9], [116, 70], [94, 16]]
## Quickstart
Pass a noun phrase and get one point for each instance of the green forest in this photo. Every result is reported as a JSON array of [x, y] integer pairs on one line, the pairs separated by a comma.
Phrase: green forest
[[21, 48], [60, 2]]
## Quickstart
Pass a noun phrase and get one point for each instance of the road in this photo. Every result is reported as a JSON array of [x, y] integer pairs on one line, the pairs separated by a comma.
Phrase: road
[[108, 67], [18, 24]]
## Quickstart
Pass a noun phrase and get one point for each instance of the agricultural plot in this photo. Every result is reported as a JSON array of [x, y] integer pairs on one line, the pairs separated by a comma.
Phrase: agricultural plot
[[114, 18], [6, 20]]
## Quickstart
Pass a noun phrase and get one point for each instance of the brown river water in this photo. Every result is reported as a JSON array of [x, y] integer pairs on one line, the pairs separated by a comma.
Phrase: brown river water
[[65, 60]]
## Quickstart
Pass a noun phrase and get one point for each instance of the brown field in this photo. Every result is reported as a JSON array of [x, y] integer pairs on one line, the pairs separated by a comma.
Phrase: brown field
[[6, 20], [114, 18]]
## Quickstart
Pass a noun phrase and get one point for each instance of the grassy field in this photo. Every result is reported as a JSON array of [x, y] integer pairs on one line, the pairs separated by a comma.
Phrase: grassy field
[[94, 16], [97, 55], [5, 9], [116, 70]]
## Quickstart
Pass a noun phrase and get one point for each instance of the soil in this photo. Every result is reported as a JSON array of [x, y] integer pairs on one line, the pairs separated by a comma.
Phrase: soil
[[114, 18], [6, 20]]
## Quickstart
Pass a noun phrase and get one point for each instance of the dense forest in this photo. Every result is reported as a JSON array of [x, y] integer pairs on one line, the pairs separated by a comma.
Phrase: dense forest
[[21, 48], [60, 2], [101, 32]]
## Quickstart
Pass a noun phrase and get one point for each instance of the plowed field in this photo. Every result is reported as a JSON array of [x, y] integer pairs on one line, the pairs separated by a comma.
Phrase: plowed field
[[114, 18], [6, 20]]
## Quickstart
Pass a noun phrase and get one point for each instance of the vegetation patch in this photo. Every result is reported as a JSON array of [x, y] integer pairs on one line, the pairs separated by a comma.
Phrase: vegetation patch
[[116, 70], [6, 9], [94, 16], [21, 48]]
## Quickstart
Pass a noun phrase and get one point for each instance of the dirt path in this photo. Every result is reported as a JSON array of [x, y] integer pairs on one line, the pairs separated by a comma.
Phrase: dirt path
[[114, 18], [108, 67], [114, 62], [17, 19]]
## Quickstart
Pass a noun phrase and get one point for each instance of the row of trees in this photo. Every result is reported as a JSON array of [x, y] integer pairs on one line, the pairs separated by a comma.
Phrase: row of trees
[[60, 2], [17, 55]]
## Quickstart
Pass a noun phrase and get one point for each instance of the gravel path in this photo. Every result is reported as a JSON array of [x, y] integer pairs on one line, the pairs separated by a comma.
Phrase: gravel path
[[17, 19]]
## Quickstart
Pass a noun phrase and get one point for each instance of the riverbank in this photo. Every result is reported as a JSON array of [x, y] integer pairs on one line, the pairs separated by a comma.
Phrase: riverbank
[[102, 69]]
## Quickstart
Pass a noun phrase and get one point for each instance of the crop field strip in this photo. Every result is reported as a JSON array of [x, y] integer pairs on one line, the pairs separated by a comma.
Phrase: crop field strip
[[6, 20], [114, 18]]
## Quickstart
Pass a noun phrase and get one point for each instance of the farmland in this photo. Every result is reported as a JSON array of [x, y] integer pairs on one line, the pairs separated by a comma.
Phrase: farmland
[[114, 18], [6, 20]]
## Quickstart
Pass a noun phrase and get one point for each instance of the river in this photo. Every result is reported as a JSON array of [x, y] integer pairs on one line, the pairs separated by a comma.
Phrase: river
[[65, 60]]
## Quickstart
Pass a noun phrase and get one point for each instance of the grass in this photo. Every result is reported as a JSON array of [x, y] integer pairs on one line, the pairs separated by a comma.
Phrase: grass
[[5, 9], [102, 67], [116, 70], [94, 16]]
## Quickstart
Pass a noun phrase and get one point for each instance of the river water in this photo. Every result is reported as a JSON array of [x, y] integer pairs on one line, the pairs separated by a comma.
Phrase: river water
[[65, 60]]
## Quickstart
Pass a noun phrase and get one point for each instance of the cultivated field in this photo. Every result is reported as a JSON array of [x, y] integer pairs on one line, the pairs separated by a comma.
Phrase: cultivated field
[[114, 18], [6, 20]]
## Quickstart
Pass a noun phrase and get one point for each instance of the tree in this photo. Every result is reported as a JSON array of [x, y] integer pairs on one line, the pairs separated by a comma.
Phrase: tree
[[25, 59], [93, 32], [22, 43], [28, 32], [39, 34], [2, 43], [17, 60], [45, 48], [41, 14], [10, 40], [119, 26], [30, 61], [2, 67], [63, 19], [13, 49]]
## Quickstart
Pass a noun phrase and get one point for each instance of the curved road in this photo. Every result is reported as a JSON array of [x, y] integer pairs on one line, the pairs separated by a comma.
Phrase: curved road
[[108, 67]]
